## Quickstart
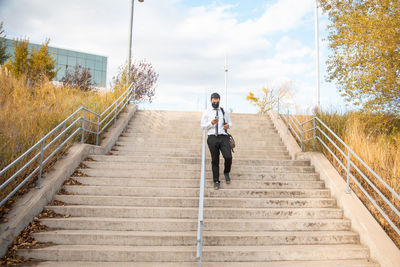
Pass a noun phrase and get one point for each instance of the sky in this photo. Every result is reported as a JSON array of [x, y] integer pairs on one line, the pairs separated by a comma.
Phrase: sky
[[266, 43]]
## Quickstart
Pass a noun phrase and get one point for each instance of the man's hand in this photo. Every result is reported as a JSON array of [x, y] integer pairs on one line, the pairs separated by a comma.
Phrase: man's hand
[[226, 126], [214, 121]]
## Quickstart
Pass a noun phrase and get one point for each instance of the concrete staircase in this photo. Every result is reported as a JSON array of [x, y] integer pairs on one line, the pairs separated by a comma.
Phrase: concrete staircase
[[139, 205]]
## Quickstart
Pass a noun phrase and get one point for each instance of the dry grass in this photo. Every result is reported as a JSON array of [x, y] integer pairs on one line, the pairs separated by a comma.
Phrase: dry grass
[[27, 114], [376, 139]]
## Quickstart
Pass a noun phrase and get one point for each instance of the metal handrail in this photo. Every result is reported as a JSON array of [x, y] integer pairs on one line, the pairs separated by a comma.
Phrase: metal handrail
[[81, 122], [348, 164], [199, 250]]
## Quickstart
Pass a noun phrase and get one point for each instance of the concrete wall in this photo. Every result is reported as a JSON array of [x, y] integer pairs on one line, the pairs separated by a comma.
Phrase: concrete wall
[[32, 203], [382, 248]]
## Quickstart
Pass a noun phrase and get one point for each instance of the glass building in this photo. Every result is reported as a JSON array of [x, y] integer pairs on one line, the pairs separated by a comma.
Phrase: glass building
[[68, 59]]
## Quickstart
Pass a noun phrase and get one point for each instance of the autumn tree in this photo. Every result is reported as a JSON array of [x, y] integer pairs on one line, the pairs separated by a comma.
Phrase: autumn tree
[[41, 64], [19, 65], [79, 78], [3, 52], [269, 97], [144, 76], [364, 36], [36, 66]]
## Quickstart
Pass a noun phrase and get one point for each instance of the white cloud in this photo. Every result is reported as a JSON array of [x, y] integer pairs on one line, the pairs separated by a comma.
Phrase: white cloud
[[284, 15], [185, 44], [289, 49]]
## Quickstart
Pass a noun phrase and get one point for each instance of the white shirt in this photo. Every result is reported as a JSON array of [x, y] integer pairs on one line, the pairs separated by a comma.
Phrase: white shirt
[[209, 115]]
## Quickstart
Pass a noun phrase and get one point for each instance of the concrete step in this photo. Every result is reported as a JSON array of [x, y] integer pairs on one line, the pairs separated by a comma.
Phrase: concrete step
[[196, 116], [187, 253], [266, 136], [291, 252], [196, 121], [276, 176], [325, 263], [185, 130], [188, 238], [270, 146], [262, 131], [194, 183], [181, 153], [193, 114], [108, 253], [194, 201], [225, 191], [272, 176], [156, 173], [145, 122], [185, 224], [243, 121], [195, 124], [196, 160], [127, 136], [187, 212], [178, 125], [197, 140], [197, 149], [132, 166]]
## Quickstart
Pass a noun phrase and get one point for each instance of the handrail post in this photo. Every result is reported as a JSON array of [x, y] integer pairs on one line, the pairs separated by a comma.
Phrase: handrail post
[[287, 122], [98, 130], [83, 127], [270, 104], [278, 106], [115, 115], [314, 134], [39, 183], [348, 172], [301, 141]]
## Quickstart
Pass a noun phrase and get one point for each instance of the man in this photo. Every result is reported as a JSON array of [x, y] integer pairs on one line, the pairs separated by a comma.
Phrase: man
[[217, 122]]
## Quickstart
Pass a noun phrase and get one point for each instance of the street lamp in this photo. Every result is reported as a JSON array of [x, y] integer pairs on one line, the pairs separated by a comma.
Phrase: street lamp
[[317, 55], [226, 85], [130, 33]]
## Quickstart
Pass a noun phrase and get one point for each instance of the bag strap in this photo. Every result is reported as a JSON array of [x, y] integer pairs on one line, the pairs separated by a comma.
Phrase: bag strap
[[223, 114]]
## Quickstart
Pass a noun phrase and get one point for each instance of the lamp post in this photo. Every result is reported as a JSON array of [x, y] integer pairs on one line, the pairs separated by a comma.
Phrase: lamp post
[[226, 85], [317, 54], [130, 33]]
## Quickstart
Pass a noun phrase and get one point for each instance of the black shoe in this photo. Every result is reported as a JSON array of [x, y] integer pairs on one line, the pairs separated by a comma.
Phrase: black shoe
[[227, 178], [216, 185]]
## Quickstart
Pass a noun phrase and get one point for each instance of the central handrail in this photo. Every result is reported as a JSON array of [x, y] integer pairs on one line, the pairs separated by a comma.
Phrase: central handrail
[[201, 201], [199, 252]]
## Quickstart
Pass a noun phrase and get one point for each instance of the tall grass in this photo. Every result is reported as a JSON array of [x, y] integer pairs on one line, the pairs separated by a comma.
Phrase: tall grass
[[376, 139], [27, 114]]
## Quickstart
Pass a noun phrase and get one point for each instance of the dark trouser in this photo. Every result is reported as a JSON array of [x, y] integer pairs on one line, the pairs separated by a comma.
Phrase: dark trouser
[[215, 144]]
